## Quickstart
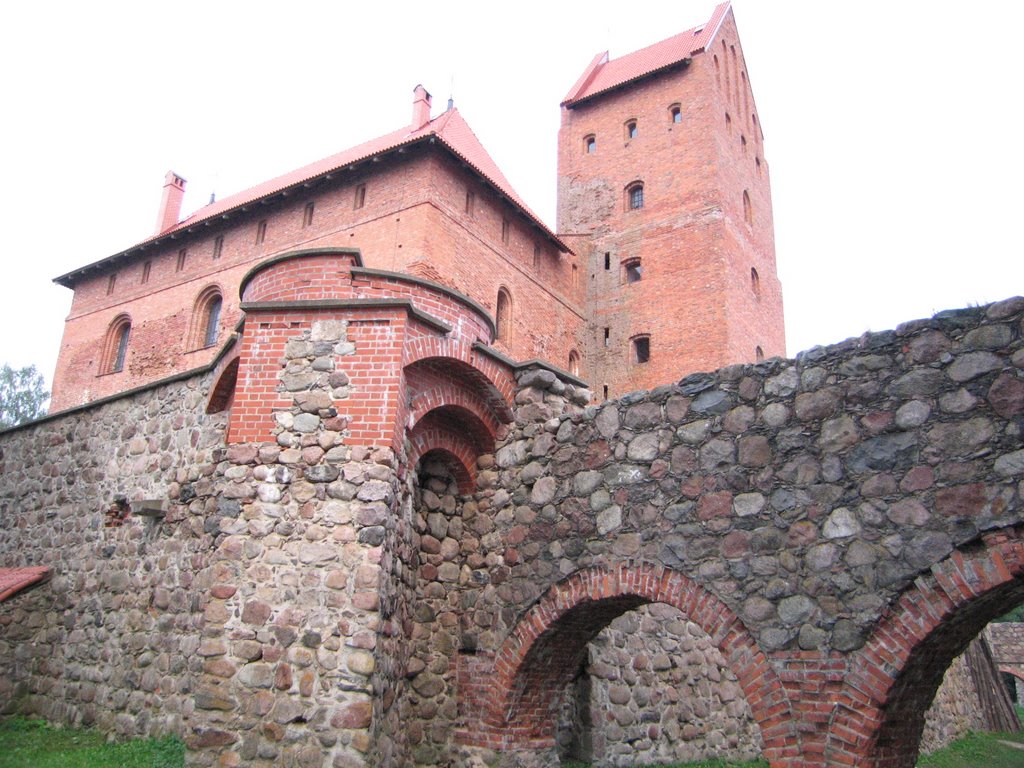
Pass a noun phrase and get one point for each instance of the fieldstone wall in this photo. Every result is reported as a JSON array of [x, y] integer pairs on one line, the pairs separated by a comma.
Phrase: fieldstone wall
[[111, 640], [955, 710]]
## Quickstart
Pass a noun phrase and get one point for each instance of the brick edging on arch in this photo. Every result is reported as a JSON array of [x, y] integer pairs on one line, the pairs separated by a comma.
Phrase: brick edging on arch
[[924, 607], [758, 679]]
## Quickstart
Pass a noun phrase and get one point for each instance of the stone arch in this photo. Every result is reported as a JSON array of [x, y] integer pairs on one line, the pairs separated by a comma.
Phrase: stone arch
[[546, 646], [878, 718]]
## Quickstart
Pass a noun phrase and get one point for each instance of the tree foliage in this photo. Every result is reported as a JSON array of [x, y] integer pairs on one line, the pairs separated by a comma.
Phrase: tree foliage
[[22, 396]]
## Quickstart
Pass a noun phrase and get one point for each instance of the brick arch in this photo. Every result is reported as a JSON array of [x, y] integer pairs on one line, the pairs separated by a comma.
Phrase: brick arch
[[544, 650], [423, 402], [427, 438], [878, 718], [1018, 673], [495, 381]]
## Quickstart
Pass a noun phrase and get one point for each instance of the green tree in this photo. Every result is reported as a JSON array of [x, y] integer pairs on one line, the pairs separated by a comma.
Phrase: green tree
[[22, 396]]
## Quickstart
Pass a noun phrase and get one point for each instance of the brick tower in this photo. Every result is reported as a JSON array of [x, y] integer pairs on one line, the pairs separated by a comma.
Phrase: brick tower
[[663, 191]]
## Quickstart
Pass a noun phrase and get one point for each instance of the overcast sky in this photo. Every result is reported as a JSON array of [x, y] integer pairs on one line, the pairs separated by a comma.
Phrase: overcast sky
[[891, 128]]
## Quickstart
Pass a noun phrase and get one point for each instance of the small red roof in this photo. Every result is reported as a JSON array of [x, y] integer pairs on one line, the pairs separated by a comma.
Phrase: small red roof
[[604, 74], [16, 579], [449, 128]]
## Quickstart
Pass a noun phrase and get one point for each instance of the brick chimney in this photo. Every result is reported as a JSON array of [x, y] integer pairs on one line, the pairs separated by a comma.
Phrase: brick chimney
[[420, 107], [170, 203]]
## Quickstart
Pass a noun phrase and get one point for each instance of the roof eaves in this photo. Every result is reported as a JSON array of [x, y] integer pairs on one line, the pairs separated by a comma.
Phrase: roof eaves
[[586, 78]]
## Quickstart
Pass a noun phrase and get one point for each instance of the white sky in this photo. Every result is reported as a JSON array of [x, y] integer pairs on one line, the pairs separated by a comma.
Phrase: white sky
[[891, 128]]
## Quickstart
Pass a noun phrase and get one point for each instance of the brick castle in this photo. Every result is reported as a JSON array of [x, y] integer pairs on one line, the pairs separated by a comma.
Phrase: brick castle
[[663, 262]]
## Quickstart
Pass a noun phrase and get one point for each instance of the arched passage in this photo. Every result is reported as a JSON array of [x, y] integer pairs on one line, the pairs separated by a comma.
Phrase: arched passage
[[515, 700], [879, 716]]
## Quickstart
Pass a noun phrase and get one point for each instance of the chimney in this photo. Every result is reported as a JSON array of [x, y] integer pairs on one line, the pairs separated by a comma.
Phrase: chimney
[[420, 107], [170, 203]]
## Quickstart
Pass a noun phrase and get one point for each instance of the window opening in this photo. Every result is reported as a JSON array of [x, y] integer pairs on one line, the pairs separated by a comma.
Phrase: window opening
[[575, 276], [758, 354], [218, 246], [360, 197], [574, 363], [470, 201], [111, 281], [212, 321], [146, 270], [261, 232], [307, 214], [115, 348], [635, 196], [607, 260], [748, 211], [675, 114], [503, 315], [122, 348], [504, 231], [634, 272], [607, 335], [605, 388], [755, 282], [590, 144], [182, 255], [536, 256], [641, 349], [631, 130]]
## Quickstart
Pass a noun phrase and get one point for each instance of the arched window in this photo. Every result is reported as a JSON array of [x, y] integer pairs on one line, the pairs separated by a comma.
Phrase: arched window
[[748, 210], [675, 114], [115, 346], [631, 130], [590, 144], [206, 319], [755, 282], [503, 315], [574, 363], [758, 354], [635, 196]]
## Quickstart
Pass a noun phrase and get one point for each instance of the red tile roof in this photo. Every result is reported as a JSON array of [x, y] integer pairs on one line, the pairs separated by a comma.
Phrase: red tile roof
[[449, 128], [604, 74], [16, 579]]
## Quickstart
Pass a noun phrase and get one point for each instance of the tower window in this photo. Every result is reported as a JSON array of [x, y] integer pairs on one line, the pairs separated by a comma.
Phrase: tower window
[[607, 260], [206, 312], [261, 231], [505, 230], [307, 214], [503, 315], [182, 255], [758, 354], [360, 197], [635, 196], [115, 347], [631, 129], [575, 276], [748, 210], [743, 143], [633, 271], [146, 270], [470, 202], [641, 349], [218, 246], [728, 123], [536, 256], [607, 335], [212, 321], [590, 144], [675, 114], [111, 282], [755, 282], [574, 363]]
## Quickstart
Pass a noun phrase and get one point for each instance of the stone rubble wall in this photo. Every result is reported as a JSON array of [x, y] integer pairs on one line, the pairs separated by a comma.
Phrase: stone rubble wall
[[955, 711], [111, 639]]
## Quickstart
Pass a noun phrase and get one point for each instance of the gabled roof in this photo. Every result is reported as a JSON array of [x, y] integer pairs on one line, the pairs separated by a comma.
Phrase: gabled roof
[[605, 74], [449, 129], [14, 580]]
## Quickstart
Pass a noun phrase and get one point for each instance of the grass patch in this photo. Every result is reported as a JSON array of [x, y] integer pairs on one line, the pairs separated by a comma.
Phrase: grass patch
[[978, 749], [716, 763], [35, 744]]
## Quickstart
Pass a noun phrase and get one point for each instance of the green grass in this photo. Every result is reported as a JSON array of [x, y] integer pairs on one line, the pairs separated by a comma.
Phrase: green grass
[[978, 749], [34, 744], [699, 764]]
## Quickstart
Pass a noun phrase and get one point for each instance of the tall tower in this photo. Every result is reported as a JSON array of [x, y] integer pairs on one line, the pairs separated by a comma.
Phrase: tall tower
[[663, 190]]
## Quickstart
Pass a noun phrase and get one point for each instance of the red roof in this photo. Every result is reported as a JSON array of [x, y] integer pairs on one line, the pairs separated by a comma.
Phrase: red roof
[[16, 579], [604, 74], [449, 128]]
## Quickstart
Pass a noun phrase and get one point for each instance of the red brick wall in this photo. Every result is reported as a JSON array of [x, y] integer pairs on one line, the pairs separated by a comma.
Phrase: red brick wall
[[696, 250]]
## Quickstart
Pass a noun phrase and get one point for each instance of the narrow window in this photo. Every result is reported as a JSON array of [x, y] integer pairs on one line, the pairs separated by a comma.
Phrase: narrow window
[[503, 316], [574, 363], [470, 202], [758, 354], [633, 271], [631, 129], [607, 260], [590, 144], [757, 163], [504, 231], [743, 143], [575, 277], [145, 271], [261, 232], [755, 282], [607, 335], [122, 348], [748, 211], [728, 123], [641, 349], [536, 256], [111, 281], [605, 391], [675, 114], [307, 214], [360, 198], [115, 346], [212, 321], [635, 196], [182, 255], [218, 246]]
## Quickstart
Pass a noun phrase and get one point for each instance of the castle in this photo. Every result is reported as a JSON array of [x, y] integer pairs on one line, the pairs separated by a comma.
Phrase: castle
[[326, 484], [663, 262]]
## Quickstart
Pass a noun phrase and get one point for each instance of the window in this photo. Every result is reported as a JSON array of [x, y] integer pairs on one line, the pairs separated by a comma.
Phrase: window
[[758, 354], [360, 197], [633, 272], [145, 271], [607, 335], [470, 202], [536, 256], [675, 114], [755, 282], [307, 214], [743, 143], [574, 363], [757, 163], [503, 316], [641, 349], [607, 260], [728, 123], [111, 282], [182, 255], [605, 391], [748, 211], [218, 246], [261, 232], [631, 129], [505, 231], [635, 196], [206, 319], [575, 277], [590, 144], [115, 346]]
